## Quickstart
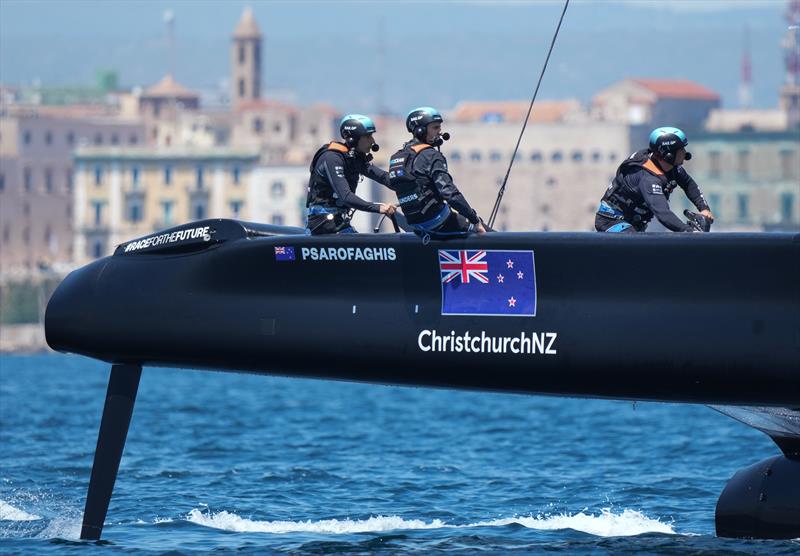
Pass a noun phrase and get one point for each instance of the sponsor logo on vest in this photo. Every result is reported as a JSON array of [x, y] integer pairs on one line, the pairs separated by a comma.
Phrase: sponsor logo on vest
[[657, 189], [348, 254], [533, 343], [201, 232], [397, 160], [408, 198]]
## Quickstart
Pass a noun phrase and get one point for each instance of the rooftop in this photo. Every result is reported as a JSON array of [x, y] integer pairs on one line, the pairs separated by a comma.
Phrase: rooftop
[[247, 27], [168, 87], [545, 111], [677, 88]]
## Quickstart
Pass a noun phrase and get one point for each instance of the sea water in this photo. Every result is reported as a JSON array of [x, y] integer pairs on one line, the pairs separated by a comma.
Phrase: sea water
[[235, 463]]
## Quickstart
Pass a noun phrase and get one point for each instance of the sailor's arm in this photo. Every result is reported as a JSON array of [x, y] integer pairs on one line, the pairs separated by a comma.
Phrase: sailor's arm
[[449, 191], [331, 167], [376, 174], [694, 193], [653, 194]]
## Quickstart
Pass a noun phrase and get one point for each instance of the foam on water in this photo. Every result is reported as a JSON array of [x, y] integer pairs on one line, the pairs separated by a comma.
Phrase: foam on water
[[607, 524], [231, 522], [10, 513]]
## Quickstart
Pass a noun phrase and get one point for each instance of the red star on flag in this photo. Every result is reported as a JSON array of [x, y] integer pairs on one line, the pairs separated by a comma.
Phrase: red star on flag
[[512, 302], [510, 263], [500, 278]]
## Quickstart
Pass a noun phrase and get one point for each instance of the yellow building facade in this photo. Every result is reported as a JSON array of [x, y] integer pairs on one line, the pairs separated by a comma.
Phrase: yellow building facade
[[120, 195]]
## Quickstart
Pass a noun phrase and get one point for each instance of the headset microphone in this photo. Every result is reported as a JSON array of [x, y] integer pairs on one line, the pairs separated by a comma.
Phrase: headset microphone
[[445, 136], [375, 147], [688, 156]]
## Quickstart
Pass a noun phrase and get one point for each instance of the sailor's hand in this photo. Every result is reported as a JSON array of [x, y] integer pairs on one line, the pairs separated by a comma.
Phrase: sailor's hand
[[387, 209], [479, 227], [708, 214]]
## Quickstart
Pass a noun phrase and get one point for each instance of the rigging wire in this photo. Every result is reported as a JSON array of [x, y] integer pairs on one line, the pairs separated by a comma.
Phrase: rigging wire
[[525, 123]]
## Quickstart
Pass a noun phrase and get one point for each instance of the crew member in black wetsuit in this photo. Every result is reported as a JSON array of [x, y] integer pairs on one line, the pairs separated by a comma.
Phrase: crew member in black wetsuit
[[335, 172], [643, 184], [425, 190]]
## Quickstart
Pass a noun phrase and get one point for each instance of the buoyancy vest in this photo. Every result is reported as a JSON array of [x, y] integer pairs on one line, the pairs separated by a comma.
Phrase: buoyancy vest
[[320, 192], [631, 203], [417, 194]]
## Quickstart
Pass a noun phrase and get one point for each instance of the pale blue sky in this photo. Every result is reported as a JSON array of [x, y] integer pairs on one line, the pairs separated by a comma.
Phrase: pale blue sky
[[346, 53]]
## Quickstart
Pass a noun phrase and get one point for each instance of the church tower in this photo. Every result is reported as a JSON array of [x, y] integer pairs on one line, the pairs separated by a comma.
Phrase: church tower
[[246, 61]]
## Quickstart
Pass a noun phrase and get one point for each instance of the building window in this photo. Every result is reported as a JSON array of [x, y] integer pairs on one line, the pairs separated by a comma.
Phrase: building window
[[551, 182], [133, 139], [68, 179], [135, 177], [98, 175], [577, 156], [612, 156], [236, 208], [278, 190], [714, 164], [97, 248], [48, 180], [236, 175], [167, 175], [743, 208], [277, 219], [26, 137], [26, 208], [98, 139], [787, 207], [48, 138], [115, 139], [6, 233], [71, 138], [276, 127], [258, 125], [789, 167], [166, 212], [27, 180], [97, 206], [241, 87], [135, 211], [557, 156], [743, 164], [199, 211], [475, 156], [455, 156], [241, 54], [536, 156], [26, 235], [199, 181], [596, 156], [494, 156], [2, 182]]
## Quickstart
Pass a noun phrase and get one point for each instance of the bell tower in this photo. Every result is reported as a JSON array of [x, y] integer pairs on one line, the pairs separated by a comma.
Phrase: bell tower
[[246, 61]]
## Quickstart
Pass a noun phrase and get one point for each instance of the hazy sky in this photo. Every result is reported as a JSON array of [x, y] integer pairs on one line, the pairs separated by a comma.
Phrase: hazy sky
[[359, 55]]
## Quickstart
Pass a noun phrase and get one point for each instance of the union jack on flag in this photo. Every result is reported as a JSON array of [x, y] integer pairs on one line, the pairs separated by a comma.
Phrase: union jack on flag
[[488, 283], [456, 264], [283, 253]]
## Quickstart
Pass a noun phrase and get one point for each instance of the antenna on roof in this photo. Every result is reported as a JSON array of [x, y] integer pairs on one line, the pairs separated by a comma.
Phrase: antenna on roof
[[169, 21]]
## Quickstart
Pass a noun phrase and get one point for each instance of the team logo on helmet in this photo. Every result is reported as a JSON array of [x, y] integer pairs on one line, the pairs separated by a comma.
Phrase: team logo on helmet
[[419, 118], [354, 126]]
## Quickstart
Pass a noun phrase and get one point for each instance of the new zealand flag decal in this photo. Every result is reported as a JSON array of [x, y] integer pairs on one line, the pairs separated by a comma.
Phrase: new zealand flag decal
[[490, 283], [284, 253]]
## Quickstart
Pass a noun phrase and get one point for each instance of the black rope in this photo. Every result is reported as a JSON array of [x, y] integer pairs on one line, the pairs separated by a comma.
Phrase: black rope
[[525, 123]]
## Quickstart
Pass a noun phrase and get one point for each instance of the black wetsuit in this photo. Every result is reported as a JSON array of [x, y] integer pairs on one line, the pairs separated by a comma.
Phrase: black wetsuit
[[335, 173], [426, 191], [640, 191]]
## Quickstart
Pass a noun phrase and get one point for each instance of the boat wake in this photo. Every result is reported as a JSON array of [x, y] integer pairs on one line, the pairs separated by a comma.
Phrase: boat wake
[[605, 524]]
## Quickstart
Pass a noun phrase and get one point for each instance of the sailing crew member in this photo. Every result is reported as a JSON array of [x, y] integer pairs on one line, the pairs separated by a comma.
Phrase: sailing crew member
[[431, 202], [336, 170], [643, 184]]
